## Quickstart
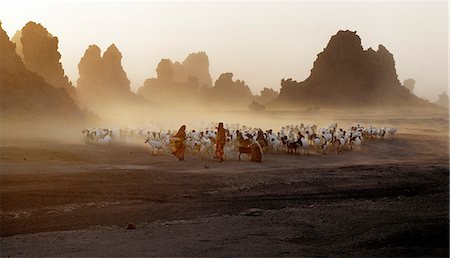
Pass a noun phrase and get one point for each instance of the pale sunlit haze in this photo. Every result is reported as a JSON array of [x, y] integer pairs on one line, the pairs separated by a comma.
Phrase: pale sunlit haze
[[260, 42]]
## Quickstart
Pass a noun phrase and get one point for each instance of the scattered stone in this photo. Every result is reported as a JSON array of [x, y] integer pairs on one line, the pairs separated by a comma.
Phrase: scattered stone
[[252, 212], [131, 226]]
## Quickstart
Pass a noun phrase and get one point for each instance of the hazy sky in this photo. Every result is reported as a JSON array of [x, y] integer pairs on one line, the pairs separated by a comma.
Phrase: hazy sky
[[260, 42]]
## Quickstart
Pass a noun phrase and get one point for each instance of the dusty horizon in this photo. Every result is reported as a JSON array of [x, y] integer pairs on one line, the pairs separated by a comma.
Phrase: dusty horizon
[[338, 156], [286, 44]]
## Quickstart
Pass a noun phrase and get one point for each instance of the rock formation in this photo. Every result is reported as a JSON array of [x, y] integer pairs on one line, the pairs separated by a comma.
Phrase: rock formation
[[196, 64], [102, 79], [267, 95], [228, 92], [254, 106], [346, 75], [190, 81], [26, 96], [164, 90], [164, 70], [39, 52], [443, 100], [178, 81], [409, 84], [90, 81], [16, 40]]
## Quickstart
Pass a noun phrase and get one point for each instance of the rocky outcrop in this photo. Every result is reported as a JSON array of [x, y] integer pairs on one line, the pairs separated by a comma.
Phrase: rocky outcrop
[[25, 95], [39, 52], [90, 81], [164, 71], [346, 75], [267, 95], [16, 40], [190, 82], [177, 81], [113, 73], [165, 91], [443, 100], [409, 84], [254, 106], [102, 78], [197, 65], [228, 92]]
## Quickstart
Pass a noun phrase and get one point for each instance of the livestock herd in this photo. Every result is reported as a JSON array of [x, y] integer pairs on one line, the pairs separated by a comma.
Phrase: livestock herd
[[294, 139]]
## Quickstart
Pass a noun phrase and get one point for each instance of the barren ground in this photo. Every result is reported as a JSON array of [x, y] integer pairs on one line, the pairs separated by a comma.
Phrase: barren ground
[[68, 199]]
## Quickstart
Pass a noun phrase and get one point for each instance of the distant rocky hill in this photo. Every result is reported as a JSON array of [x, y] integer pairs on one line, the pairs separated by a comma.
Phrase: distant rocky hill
[[226, 91], [346, 75], [26, 96], [178, 82], [190, 83], [39, 52], [102, 78], [266, 96], [164, 90]]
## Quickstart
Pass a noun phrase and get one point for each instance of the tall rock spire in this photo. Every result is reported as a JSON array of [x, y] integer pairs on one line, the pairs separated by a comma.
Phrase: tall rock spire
[[25, 95], [39, 50], [102, 78]]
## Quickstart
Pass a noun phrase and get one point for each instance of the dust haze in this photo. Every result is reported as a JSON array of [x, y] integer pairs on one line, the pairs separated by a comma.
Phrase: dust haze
[[347, 162]]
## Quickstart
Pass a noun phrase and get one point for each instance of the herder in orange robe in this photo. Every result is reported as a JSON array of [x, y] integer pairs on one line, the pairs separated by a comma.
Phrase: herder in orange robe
[[256, 152], [221, 139], [177, 143]]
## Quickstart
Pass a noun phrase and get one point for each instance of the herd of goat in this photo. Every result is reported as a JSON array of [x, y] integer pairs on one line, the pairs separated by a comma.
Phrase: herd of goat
[[291, 139]]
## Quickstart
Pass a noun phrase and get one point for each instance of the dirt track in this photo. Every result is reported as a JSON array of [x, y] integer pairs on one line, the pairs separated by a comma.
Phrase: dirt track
[[391, 198]]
